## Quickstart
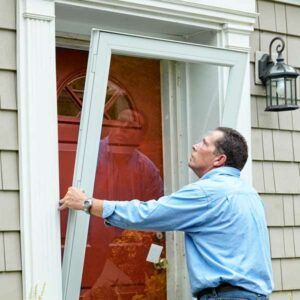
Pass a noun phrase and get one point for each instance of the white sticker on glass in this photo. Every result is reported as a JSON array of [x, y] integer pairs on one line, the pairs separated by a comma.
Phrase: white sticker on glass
[[154, 253]]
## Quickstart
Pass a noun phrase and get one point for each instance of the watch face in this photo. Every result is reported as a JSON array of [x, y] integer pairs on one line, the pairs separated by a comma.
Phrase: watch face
[[87, 204]]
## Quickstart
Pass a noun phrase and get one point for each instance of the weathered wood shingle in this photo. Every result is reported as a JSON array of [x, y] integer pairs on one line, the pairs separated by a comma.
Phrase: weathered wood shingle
[[286, 176], [257, 145], [268, 172], [8, 130], [254, 120], [9, 211], [280, 17], [277, 242], [8, 97], [296, 118], [274, 209], [11, 285], [293, 20], [283, 145], [268, 144], [297, 209], [7, 14], [288, 210], [12, 250], [9, 170], [2, 256], [267, 15], [265, 118], [276, 266], [290, 273], [7, 49]]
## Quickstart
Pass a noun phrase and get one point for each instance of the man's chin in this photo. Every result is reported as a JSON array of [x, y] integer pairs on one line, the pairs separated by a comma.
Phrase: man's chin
[[191, 166]]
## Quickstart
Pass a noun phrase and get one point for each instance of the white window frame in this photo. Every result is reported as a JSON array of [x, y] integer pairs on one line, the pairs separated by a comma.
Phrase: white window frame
[[103, 45]]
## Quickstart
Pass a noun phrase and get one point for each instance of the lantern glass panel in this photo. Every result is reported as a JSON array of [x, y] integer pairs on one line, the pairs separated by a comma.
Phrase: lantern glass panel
[[290, 89], [277, 90], [269, 92], [295, 90]]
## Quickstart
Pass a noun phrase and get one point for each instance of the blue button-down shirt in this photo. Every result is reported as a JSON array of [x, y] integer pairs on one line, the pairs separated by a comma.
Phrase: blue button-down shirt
[[225, 229]]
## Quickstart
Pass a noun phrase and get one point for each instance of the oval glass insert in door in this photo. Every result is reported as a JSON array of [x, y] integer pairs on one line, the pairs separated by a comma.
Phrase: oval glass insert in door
[[129, 166]]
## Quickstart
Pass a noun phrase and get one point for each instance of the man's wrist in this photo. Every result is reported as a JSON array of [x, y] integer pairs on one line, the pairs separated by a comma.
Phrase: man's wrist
[[97, 208]]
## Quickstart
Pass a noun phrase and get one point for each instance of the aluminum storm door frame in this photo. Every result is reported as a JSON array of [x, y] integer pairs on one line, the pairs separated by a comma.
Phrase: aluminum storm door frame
[[103, 45]]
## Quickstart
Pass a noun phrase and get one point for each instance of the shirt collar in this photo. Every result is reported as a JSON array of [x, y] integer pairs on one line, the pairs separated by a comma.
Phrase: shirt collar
[[222, 171]]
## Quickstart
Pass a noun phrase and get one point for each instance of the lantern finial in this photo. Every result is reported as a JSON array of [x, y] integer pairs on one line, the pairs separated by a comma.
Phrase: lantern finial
[[279, 48]]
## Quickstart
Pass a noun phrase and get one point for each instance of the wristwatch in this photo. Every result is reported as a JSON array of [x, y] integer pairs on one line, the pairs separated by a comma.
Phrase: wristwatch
[[87, 205]]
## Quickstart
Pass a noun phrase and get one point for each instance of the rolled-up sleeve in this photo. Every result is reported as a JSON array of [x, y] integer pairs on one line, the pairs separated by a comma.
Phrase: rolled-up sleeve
[[108, 208], [184, 210]]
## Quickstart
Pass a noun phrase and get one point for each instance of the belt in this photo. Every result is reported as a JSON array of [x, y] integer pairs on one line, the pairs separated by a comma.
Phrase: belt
[[221, 288]]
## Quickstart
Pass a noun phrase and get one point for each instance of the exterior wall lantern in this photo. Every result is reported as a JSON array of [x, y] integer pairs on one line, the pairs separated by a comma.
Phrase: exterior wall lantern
[[279, 79]]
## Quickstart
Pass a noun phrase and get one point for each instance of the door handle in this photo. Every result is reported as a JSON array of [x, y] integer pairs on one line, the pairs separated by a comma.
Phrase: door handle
[[162, 264]]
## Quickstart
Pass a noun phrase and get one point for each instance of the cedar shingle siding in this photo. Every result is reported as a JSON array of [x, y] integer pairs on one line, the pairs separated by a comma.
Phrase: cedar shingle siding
[[276, 150], [10, 250]]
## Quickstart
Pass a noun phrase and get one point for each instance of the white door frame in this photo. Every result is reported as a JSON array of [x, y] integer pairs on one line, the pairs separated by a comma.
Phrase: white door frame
[[36, 86]]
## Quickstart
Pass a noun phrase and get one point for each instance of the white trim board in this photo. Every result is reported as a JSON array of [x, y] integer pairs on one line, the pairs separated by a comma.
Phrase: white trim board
[[190, 9], [292, 2], [38, 150]]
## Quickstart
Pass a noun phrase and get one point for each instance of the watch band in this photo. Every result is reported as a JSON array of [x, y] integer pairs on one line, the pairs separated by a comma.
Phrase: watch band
[[87, 205]]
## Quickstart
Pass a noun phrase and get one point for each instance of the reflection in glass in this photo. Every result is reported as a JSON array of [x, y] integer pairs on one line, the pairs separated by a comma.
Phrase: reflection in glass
[[117, 257], [70, 99]]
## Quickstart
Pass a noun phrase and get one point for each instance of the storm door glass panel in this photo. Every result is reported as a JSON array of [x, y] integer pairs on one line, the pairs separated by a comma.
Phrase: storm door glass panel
[[124, 159], [129, 166]]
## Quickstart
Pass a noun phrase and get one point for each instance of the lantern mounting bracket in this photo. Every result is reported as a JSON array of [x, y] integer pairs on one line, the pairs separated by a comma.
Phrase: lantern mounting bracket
[[264, 65]]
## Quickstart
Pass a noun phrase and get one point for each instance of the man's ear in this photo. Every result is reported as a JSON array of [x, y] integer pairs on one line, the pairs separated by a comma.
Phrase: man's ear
[[220, 160]]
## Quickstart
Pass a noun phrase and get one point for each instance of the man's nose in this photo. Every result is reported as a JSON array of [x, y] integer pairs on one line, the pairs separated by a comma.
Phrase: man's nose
[[195, 147]]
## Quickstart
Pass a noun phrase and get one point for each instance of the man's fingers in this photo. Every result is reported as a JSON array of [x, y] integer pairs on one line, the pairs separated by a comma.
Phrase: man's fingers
[[65, 198], [63, 206], [61, 201], [64, 203]]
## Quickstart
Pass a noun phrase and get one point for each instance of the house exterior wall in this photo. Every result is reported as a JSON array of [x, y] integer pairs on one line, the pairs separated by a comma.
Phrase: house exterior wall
[[276, 150], [10, 253]]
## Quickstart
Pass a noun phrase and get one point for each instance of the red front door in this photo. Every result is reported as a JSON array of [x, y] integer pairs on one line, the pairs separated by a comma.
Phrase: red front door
[[129, 166]]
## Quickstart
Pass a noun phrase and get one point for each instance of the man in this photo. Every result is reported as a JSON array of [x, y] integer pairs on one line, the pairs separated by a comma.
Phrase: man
[[124, 172], [223, 219]]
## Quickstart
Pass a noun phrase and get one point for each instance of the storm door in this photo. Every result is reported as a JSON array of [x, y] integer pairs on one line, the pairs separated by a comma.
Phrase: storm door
[[119, 148], [129, 166]]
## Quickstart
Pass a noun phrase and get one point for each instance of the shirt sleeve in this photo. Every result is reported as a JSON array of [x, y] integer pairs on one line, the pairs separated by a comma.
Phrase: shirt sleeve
[[184, 210]]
